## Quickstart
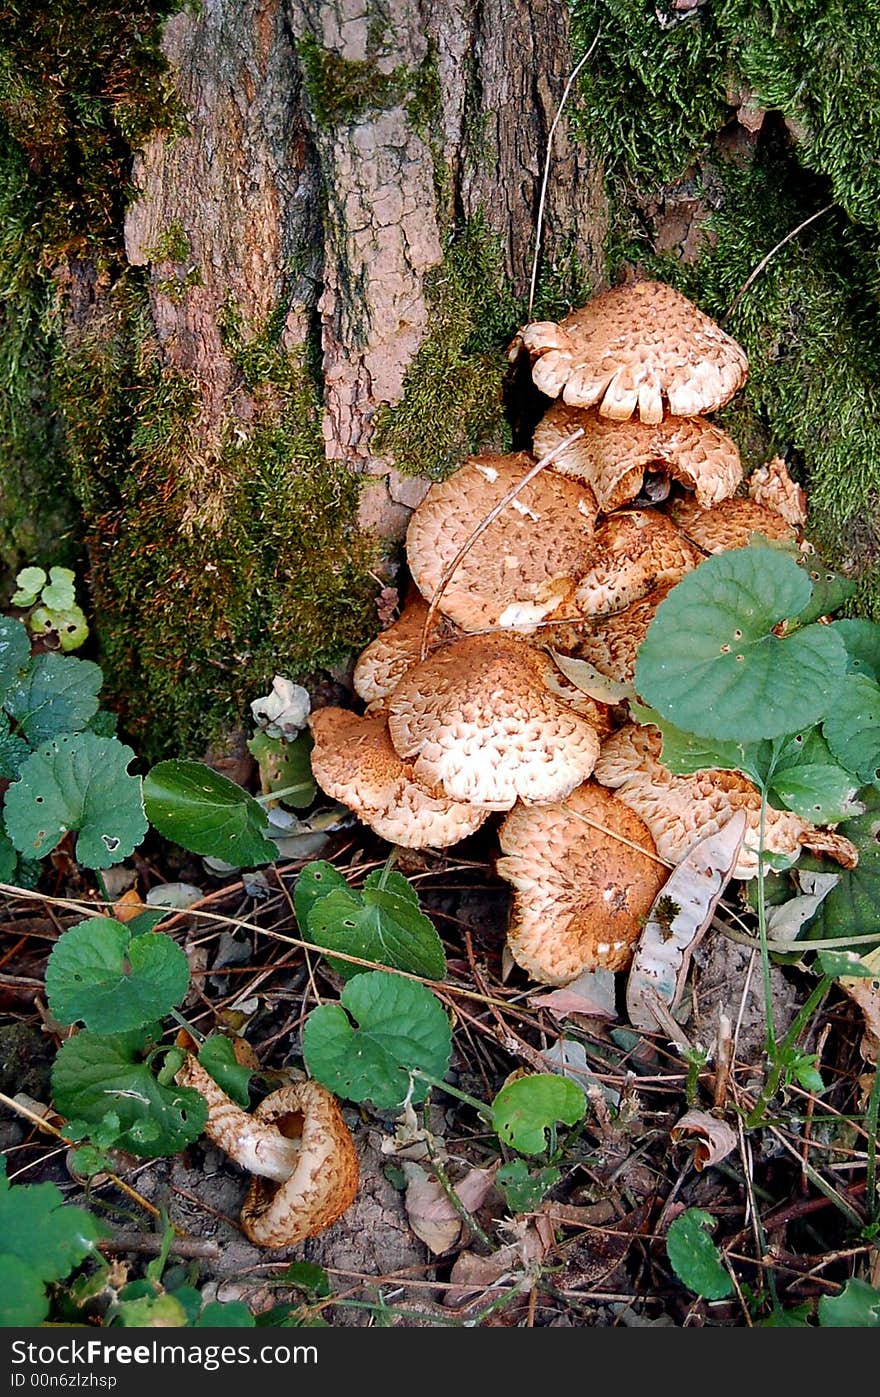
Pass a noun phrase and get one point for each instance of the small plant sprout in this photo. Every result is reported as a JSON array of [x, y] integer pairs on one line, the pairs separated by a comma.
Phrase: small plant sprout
[[54, 613]]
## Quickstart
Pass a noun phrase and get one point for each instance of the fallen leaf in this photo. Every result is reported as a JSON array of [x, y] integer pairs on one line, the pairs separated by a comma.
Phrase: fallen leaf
[[713, 1138], [432, 1215], [591, 994], [866, 993], [128, 906], [285, 711], [591, 681], [785, 921], [515, 1263]]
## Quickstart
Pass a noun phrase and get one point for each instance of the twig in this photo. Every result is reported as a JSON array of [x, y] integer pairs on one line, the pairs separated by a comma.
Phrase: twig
[[753, 275], [151, 1244]]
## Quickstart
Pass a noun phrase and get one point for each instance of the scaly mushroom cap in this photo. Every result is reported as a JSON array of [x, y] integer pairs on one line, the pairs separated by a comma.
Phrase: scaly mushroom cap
[[477, 719], [771, 485], [633, 346], [679, 810], [581, 894], [354, 762], [729, 524], [298, 1149], [612, 643], [612, 457], [632, 554], [522, 568], [386, 660]]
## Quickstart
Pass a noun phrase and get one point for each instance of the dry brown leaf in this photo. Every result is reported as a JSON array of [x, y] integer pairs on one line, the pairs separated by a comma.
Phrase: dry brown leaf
[[515, 1263], [432, 1215], [128, 906], [591, 994], [866, 993], [713, 1138]]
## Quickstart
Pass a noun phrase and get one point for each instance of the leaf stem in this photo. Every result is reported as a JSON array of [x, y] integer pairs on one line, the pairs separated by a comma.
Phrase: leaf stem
[[284, 791], [781, 1051], [871, 1122], [479, 1106], [762, 931]]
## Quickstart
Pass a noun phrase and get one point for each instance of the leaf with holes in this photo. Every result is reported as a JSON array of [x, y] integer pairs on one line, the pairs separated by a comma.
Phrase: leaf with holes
[[380, 923], [862, 641], [286, 767], [694, 1257], [384, 1028], [853, 905], [713, 663], [15, 649], [103, 976], [207, 814], [317, 880], [77, 782], [527, 1107], [98, 1074], [56, 695], [852, 728]]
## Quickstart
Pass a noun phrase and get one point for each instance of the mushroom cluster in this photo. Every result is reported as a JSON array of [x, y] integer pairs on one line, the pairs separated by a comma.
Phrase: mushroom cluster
[[466, 712]]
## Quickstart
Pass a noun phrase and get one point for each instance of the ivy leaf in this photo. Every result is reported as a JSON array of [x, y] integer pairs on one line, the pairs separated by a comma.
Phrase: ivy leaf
[[207, 814], [285, 766], [56, 695], [525, 1108], [15, 650], [852, 728], [13, 751], [102, 975], [862, 641], [217, 1056], [399, 1027], [712, 663], [41, 1240], [316, 881], [96, 1073], [79, 782], [694, 1257], [856, 1307], [377, 925], [853, 904]]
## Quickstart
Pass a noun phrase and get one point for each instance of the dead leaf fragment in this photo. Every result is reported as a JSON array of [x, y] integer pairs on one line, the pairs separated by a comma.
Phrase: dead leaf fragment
[[432, 1214], [591, 994], [866, 993], [713, 1138]]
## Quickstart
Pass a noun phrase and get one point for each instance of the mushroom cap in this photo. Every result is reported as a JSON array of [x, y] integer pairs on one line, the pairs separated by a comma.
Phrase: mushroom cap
[[612, 457], [612, 643], [680, 810], [633, 346], [325, 1180], [478, 720], [522, 568], [386, 659], [771, 485], [354, 762], [581, 894], [729, 524], [633, 552]]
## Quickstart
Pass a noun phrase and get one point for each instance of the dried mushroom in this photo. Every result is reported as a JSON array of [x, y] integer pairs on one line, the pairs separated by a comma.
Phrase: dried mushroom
[[614, 457], [522, 568], [477, 720], [354, 761], [633, 552], [729, 524], [630, 349], [679, 810], [296, 1146], [583, 888]]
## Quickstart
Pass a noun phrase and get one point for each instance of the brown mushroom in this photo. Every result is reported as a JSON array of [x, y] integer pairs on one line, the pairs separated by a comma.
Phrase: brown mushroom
[[729, 524], [583, 888], [386, 660], [632, 347], [612, 643], [477, 720], [354, 761], [297, 1148], [613, 457], [679, 810], [521, 569], [771, 485], [633, 552]]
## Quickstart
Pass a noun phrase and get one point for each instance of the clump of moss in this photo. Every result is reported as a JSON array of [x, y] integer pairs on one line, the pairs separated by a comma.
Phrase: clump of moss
[[339, 90]]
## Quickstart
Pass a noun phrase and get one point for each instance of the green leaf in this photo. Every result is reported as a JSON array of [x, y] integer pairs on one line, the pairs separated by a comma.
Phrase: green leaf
[[95, 1074], [151, 1312], [104, 723], [102, 975], [217, 1056], [803, 1070], [13, 751], [286, 766], [376, 925], [694, 1257], [77, 782], [853, 905], [225, 1314], [70, 626], [862, 641], [712, 664], [56, 695], [316, 880], [41, 1239], [8, 857], [525, 1108], [30, 582], [830, 591], [399, 1027], [852, 728], [522, 1189], [856, 1307], [305, 1275], [822, 794], [15, 651], [837, 964], [60, 594], [207, 814]]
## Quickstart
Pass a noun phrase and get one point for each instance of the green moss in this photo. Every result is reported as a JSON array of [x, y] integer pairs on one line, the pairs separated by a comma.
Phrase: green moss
[[172, 245], [339, 90]]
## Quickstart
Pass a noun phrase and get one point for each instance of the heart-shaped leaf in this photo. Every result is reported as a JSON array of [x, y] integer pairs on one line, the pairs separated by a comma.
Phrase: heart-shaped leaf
[[108, 979], [399, 1027], [862, 641], [15, 649], [852, 728], [525, 1108], [80, 782], [713, 663], [56, 695], [95, 1074], [207, 814], [694, 1257], [379, 926]]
